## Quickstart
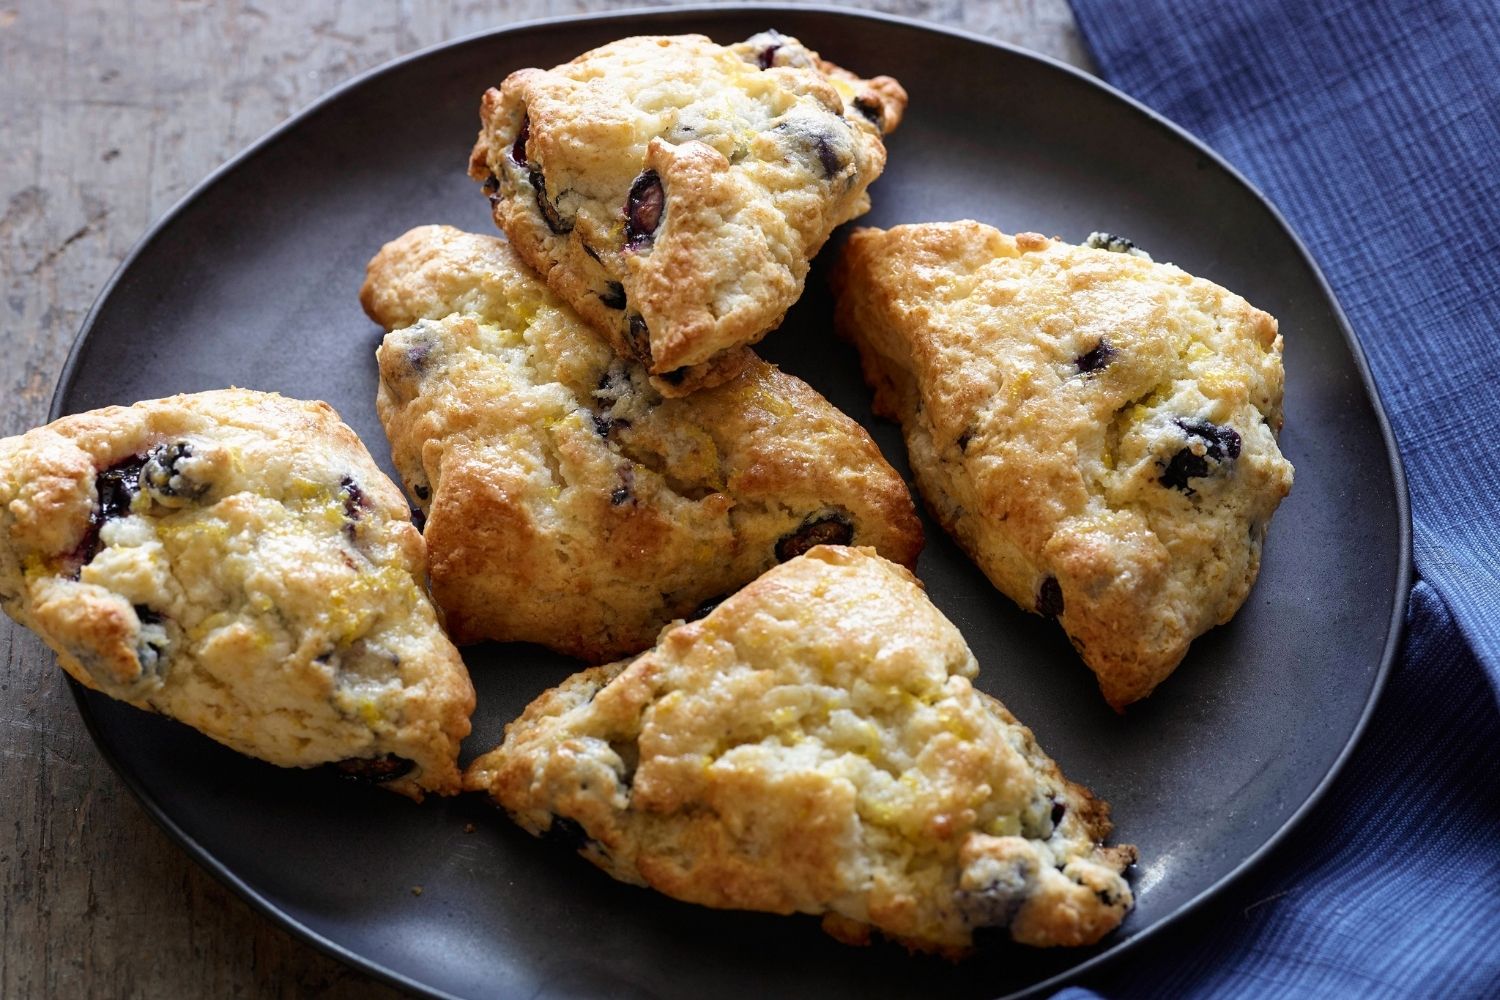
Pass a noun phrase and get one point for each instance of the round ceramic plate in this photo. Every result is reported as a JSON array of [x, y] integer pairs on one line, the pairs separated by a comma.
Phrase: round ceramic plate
[[252, 281]]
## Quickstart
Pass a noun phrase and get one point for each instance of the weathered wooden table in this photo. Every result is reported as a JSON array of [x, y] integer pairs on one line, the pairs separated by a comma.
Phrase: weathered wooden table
[[110, 112]]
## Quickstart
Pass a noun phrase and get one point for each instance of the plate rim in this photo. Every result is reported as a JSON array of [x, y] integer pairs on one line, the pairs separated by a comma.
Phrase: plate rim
[[1405, 575]]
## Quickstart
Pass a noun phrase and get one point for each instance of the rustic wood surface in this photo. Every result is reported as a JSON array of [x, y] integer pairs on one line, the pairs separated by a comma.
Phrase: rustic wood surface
[[110, 110]]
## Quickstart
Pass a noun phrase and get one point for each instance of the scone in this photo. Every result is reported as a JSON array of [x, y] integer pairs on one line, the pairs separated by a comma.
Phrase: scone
[[568, 503], [815, 745], [672, 191], [236, 560], [1098, 431]]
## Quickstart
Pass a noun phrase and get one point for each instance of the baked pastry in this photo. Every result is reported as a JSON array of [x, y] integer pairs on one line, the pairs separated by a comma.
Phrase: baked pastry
[[672, 191], [236, 560], [815, 745], [570, 504], [1098, 431]]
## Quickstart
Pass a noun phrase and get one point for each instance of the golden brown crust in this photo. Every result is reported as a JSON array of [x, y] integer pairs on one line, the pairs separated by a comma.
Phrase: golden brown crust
[[1096, 430], [755, 152], [237, 561], [568, 503], [815, 745]]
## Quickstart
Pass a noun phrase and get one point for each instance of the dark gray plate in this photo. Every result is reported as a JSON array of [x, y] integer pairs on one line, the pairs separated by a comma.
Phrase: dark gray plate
[[252, 281]]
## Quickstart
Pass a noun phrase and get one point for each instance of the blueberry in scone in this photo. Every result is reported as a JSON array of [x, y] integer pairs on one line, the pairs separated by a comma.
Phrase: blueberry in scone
[[816, 745], [1098, 431], [672, 191], [1112, 241], [568, 502], [235, 560]]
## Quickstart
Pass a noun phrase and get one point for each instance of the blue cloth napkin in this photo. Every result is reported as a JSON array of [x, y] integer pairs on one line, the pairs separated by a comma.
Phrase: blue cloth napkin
[[1374, 126]]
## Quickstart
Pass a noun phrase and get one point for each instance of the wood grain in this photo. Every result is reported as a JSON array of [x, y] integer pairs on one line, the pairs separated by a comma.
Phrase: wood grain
[[110, 110]]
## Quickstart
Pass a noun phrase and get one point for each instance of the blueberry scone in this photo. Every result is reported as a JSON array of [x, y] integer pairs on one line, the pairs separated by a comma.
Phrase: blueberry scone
[[236, 560], [815, 745], [672, 191], [1098, 431], [568, 503]]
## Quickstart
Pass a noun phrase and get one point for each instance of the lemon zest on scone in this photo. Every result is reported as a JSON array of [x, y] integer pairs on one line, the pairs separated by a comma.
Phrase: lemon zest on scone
[[672, 190], [568, 503], [1096, 430], [816, 745], [236, 560]]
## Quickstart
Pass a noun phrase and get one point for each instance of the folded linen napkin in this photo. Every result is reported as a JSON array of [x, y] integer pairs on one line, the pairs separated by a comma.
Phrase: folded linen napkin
[[1375, 127]]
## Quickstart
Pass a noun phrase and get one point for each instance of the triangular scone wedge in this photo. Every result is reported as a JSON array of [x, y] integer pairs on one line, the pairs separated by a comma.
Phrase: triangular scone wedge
[[1098, 431], [816, 745], [236, 560], [568, 503], [672, 191]]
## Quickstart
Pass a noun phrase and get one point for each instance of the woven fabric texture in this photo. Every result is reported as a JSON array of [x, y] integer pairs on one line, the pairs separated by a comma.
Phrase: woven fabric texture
[[1375, 128]]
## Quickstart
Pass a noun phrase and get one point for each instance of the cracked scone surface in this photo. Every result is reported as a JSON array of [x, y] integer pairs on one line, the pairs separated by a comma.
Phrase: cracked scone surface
[[815, 745], [672, 190], [568, 503], [236, 560], [1098, 431]]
